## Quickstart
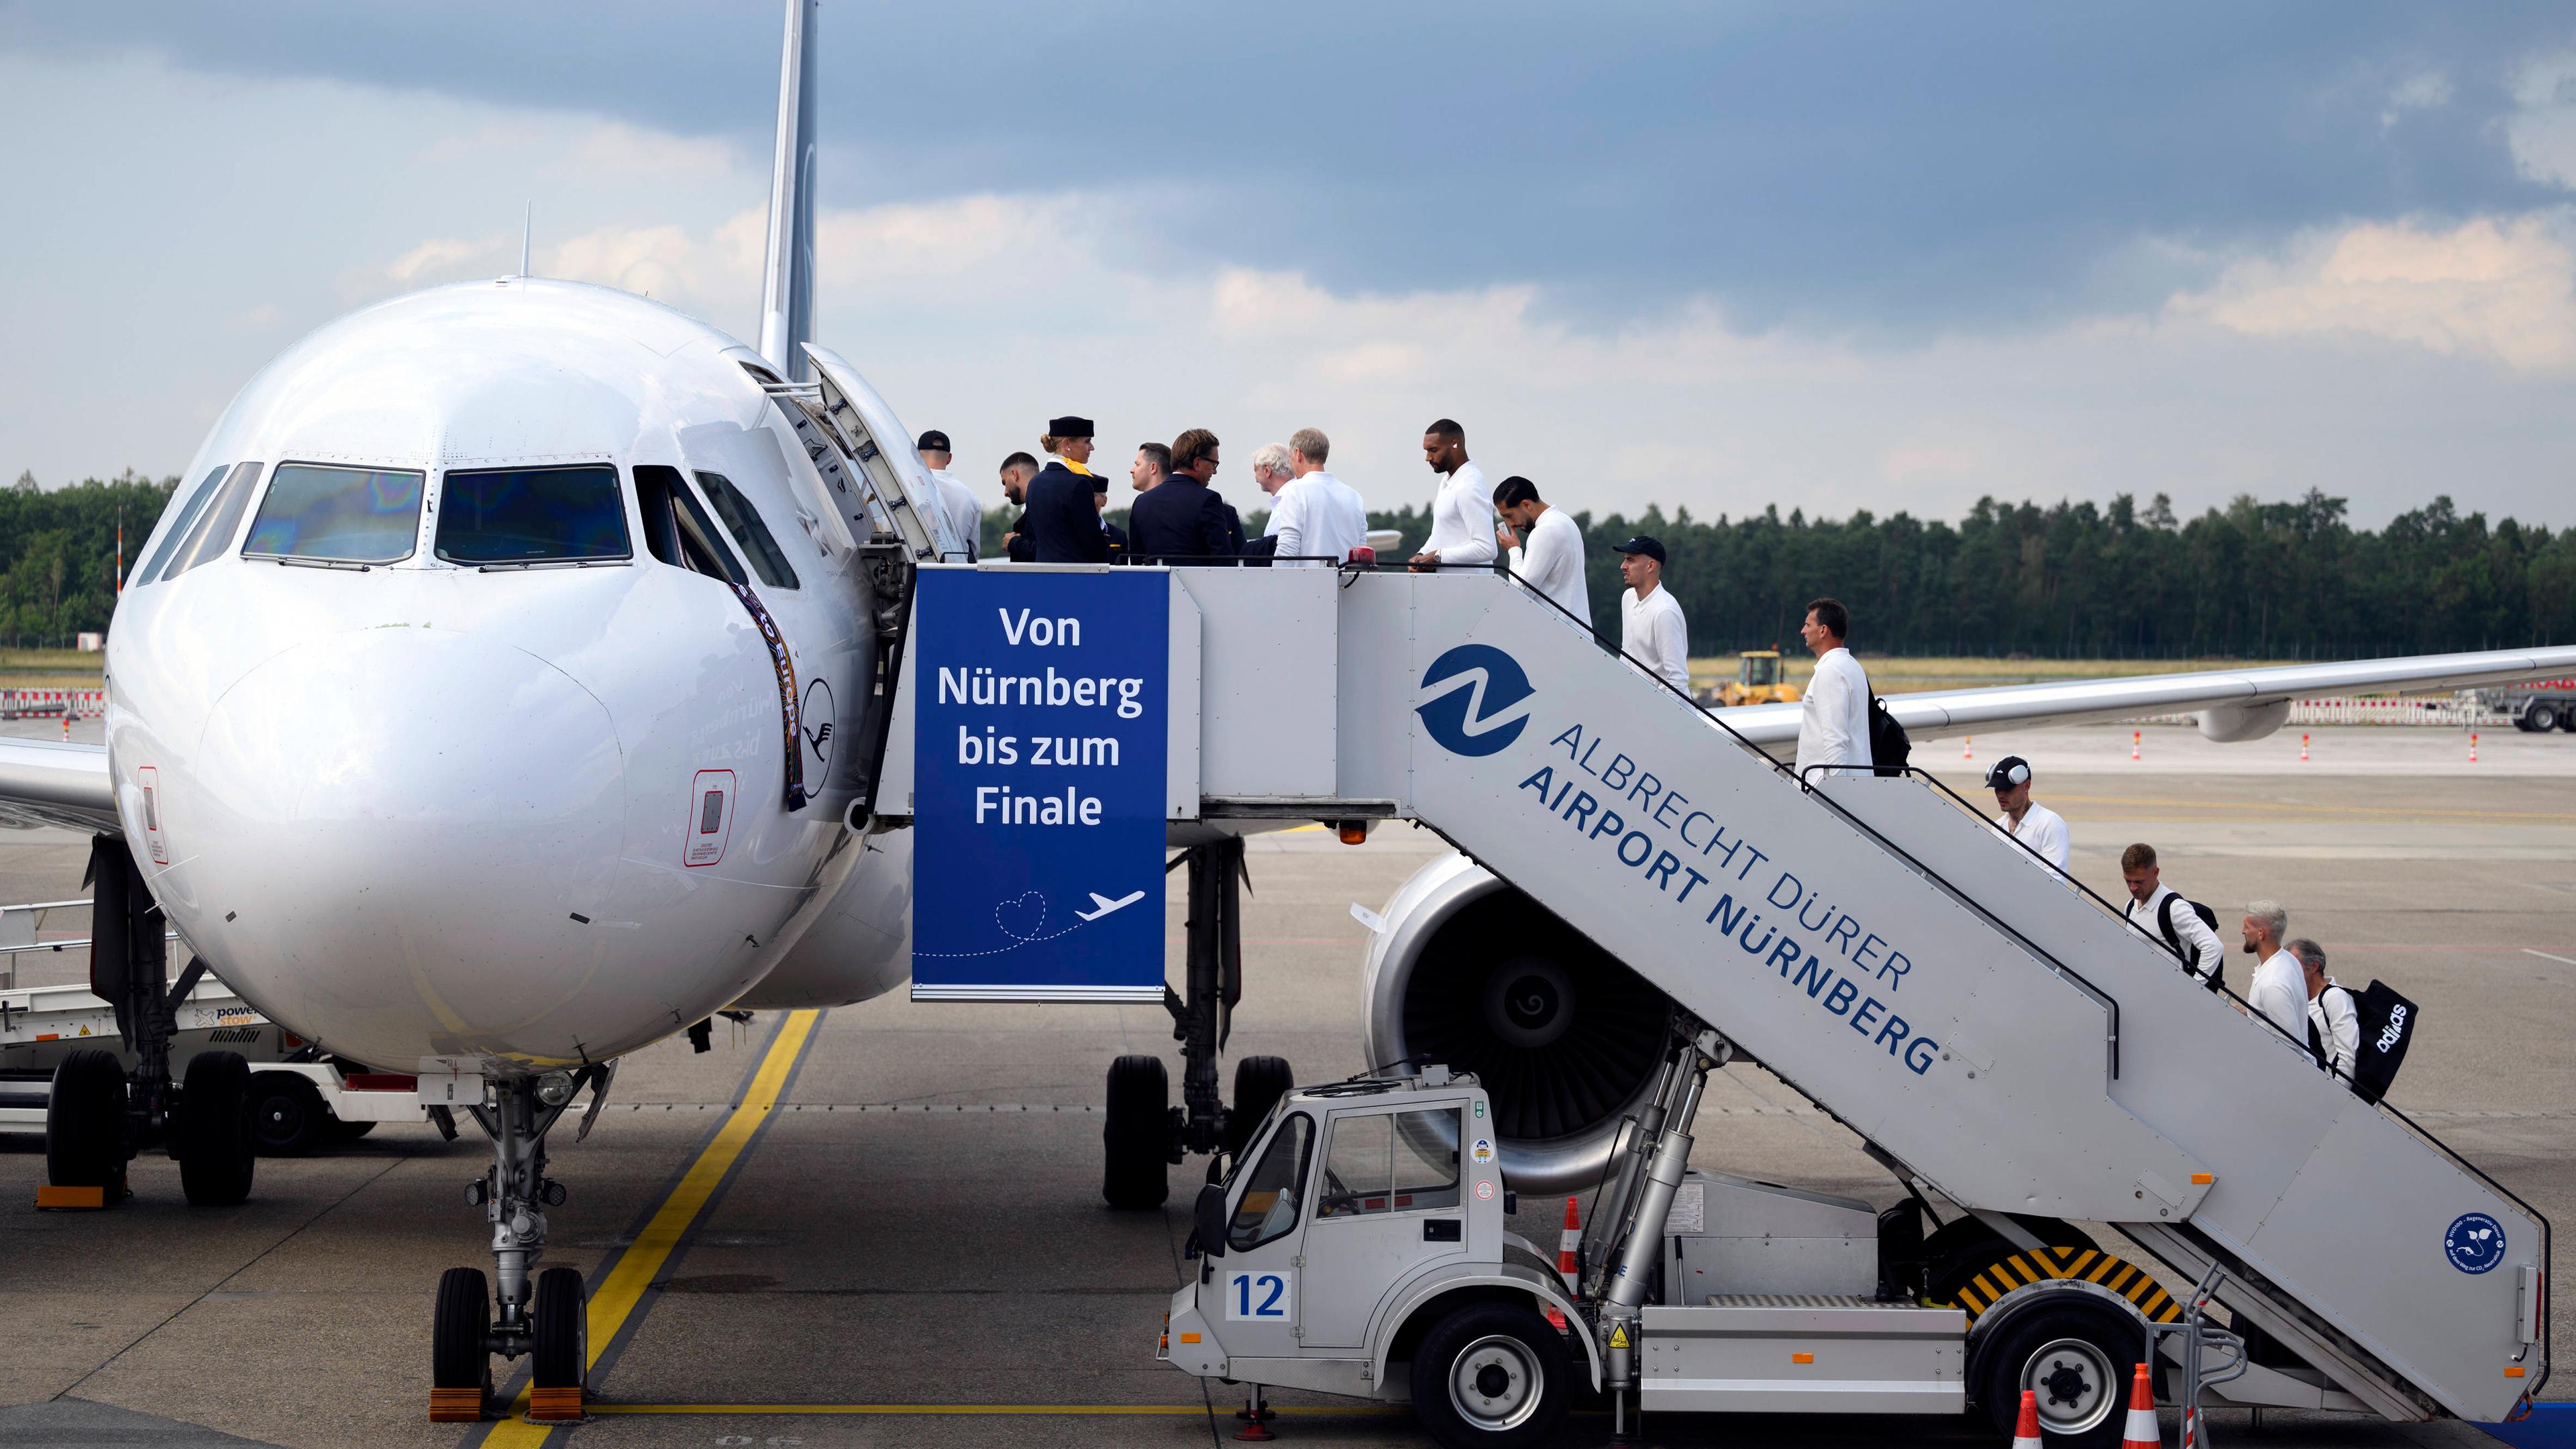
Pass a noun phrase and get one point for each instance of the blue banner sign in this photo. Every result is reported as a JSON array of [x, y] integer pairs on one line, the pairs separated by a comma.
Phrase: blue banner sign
[[1040, 718]]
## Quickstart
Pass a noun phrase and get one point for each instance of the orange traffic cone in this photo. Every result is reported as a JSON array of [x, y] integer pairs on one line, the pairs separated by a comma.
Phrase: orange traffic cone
[[2142, 1432], [2134, 737], [1568, 1266], [2026, 1433], [2473, 747], [1967, 748], [2303, 749]]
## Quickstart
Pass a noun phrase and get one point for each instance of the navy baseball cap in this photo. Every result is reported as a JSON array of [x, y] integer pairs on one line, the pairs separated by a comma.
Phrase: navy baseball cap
[[933, 441], [1651, 548], [2007, 772]]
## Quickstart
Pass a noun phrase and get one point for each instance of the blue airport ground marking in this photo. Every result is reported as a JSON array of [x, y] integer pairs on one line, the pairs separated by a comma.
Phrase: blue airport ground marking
[[2551, 1426], [1039, 781]]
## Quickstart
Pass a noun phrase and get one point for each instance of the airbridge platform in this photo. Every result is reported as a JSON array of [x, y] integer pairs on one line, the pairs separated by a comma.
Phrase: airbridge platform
[[1993, 1032]]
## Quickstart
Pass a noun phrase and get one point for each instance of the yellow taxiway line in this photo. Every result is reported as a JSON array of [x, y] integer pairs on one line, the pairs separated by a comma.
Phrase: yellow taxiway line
[[614, 1299]]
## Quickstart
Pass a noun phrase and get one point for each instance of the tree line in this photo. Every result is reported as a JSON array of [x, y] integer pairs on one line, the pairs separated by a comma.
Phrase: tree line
[[2281, 580], [2290, 580]]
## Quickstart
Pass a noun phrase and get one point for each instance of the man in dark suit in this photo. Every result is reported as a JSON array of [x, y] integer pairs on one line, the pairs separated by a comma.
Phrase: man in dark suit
[[1063, 521], [1182, 518]]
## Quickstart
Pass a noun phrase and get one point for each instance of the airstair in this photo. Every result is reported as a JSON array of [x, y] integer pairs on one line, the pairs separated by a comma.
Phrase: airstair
[[1991, 1030]]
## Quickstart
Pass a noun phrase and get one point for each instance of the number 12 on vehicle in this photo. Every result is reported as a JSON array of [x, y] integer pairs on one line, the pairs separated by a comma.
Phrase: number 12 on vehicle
[[1258, 1296]]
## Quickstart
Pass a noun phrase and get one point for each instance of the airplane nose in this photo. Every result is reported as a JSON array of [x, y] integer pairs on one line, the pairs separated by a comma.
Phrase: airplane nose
[[404, 829]]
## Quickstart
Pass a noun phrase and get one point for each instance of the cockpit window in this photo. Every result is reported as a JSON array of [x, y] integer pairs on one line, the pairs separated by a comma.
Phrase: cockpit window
[[676, 526], [744, 523], [187, 515], [212, 537], [498, 516], [337, 515]]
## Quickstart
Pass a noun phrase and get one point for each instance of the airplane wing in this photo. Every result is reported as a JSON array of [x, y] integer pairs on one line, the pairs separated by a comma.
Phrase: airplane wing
[[2234, 703], [45, 783]]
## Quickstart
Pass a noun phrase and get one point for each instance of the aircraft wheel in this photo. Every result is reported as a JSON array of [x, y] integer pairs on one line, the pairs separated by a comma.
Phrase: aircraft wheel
[[1136, 1140], [85, 1123], [461, 1321], [1259, 1083], [2076, 1356], [1491, 1375], [287, 1118], [563, 1331], [214, 1133]]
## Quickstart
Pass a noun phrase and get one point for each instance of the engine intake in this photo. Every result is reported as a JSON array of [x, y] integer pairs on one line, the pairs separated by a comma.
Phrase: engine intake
[[1471, 973]]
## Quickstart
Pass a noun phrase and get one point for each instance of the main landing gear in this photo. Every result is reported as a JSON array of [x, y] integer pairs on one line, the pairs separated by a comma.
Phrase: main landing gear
[[99, 1114], [546, 1317], [1145, 1134]]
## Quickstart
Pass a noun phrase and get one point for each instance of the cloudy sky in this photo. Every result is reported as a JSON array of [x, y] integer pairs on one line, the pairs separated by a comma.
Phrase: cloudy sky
[[1831, 256]]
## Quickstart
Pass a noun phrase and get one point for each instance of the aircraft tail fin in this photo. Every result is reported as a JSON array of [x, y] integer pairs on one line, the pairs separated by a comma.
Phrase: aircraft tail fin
[[787, 282]]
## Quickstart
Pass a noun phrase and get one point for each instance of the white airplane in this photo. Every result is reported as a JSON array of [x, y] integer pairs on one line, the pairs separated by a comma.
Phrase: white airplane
[[504, 686]]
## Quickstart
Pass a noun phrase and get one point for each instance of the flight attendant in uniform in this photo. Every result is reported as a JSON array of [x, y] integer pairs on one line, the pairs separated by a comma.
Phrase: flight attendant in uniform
[[1062, 519]]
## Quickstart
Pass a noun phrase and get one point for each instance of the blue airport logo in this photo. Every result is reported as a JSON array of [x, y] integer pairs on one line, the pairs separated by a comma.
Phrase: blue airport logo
[[2475, 1243], [1477, 703]]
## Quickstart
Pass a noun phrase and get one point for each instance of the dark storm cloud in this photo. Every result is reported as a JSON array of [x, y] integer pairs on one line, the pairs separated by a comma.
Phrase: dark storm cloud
[[1890, 169]]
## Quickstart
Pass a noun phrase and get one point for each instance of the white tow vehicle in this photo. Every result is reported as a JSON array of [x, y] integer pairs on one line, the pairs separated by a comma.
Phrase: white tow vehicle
[[1359, 1247]]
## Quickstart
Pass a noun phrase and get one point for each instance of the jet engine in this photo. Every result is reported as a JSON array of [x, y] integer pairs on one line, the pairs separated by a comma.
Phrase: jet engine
[[2229, 724], [1469, 972]]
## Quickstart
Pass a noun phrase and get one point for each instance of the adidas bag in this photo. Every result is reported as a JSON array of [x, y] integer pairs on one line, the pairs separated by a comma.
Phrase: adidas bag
[[2387, 1029]]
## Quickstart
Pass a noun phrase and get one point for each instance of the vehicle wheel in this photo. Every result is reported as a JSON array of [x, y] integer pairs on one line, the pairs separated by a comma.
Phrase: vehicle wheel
[[457, 1357], [85, 1123], [563, 1331], [1964, 1247], [213, 1136], [287, 1118], [2544, 718], [1491, 1374], [1136, 1140], [1259, 1083], [2567, 722], [2076, 1356], [350, 1131]]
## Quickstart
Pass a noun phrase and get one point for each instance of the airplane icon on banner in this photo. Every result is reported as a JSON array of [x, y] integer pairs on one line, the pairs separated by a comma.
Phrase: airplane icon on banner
[[1105, 905]]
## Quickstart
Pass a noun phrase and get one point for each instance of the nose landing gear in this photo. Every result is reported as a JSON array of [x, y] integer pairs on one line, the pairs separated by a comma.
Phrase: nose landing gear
[[547, 1317]]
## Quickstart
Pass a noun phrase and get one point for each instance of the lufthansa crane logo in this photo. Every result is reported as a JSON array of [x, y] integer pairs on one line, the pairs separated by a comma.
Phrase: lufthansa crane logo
[[1476, 700]]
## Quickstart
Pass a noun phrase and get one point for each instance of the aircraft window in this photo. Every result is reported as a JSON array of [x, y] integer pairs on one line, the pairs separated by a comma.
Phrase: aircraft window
[[188, 512], [337, 515], [744, 521], [676, 528], [212, 538], [503, 516], [1268, 1207]]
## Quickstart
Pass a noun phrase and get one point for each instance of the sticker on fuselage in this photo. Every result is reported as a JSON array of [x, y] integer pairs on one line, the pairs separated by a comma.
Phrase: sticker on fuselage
[[150, 778], [711, 797]]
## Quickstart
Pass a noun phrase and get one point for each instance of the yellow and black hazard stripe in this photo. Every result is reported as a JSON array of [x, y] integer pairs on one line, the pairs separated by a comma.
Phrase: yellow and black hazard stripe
[[2086, 1264]]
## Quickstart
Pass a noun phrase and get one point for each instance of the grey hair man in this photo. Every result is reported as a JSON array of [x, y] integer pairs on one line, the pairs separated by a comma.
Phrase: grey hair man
[[2334, 1018], [1317, 514], [2280, 989]]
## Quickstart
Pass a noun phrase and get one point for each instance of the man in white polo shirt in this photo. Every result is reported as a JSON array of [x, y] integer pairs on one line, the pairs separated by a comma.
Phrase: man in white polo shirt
[[1651, 628], [1317, 514], [2280, 988], [1833, 715], [1546, 545], [2024, 819]]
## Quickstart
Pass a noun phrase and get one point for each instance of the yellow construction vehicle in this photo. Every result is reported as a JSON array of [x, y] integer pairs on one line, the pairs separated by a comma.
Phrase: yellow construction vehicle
[[1757, 681]]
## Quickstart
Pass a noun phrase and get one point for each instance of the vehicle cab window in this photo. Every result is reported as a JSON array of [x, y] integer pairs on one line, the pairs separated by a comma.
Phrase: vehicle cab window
[[506, 517], [327, 514], [1268, 1208], [1391, 1162]]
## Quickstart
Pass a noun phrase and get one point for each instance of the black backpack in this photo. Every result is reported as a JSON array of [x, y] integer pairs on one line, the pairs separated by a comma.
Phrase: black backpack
[[1888, 746], [2173, 938], [2387, 1029]]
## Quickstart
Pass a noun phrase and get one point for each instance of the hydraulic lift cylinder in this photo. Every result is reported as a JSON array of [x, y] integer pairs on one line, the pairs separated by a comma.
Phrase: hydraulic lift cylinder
[[1644, 1244], [1610, 1213]]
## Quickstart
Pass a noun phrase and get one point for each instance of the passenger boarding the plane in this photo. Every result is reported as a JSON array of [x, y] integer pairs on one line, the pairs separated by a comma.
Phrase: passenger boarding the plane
[[1462, 515], [1652, 630], [956, 500], [1546, 546], [2334, 1019], [2280, 990], [1317, 516], [1833, 718], [2021, 818], [2180, 924]]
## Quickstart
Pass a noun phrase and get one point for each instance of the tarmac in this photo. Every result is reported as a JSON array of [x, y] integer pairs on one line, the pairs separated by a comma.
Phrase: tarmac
[[882, 1225]]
